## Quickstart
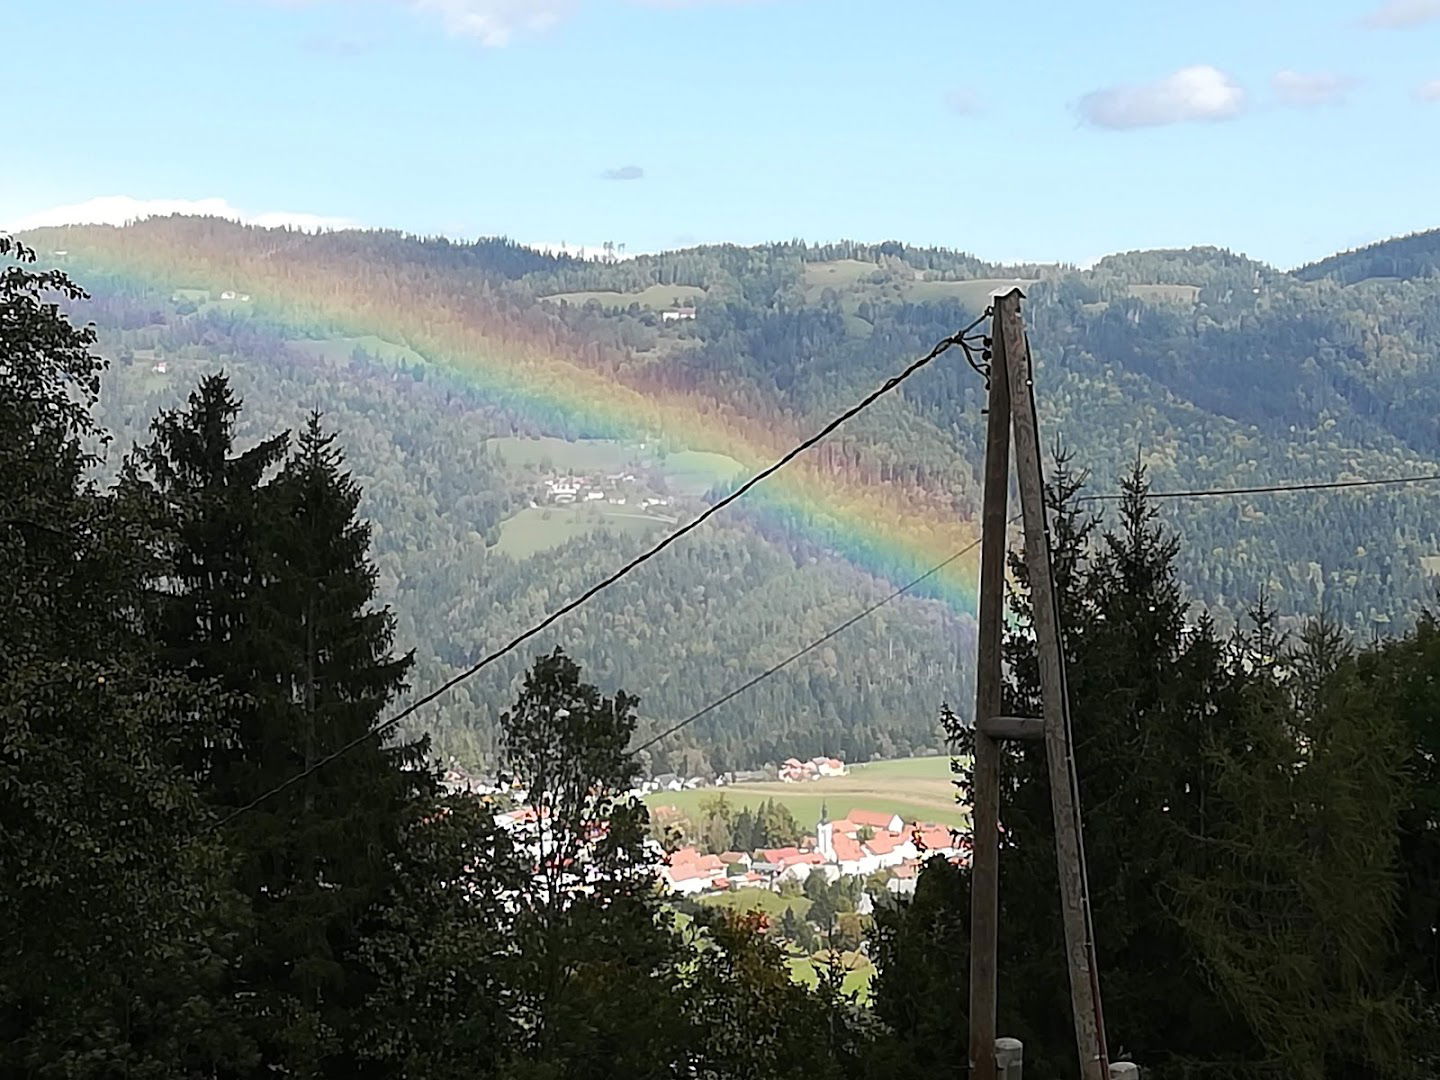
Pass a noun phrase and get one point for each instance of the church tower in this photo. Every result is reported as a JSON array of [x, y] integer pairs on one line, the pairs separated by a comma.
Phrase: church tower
[[824, 835]]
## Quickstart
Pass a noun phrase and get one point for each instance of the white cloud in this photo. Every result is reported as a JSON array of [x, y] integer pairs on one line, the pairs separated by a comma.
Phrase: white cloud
[[1429, 91], [624, 172], [495, 22], [1320, 88], [1403, 14], [118, 209], [1190, 94]]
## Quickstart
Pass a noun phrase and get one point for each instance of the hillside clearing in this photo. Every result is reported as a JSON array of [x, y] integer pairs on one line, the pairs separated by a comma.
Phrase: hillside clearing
[[561, 455], [1166, 294], [694, 472], [536, 528], [656, 297], [763, 900], [339, 350], [858, 973], [918, 789]]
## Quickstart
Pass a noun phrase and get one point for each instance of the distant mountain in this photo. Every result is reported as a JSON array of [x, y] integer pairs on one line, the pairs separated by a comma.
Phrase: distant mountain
[[1403, 258], [442, 363]]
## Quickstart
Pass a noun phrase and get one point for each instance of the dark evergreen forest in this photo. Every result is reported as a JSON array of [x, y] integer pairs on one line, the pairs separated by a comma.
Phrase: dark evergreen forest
[[216, 862], [1210, 369]]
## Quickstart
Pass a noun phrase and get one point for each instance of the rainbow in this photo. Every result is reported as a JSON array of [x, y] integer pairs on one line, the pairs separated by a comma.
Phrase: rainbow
[[316, 286]]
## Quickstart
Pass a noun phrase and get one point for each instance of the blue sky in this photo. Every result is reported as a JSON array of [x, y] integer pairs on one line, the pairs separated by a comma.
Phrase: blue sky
[[1064, 130]]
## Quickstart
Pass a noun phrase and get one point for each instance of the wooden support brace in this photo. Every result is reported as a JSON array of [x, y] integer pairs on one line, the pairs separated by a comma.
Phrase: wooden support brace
[[1024, 728]]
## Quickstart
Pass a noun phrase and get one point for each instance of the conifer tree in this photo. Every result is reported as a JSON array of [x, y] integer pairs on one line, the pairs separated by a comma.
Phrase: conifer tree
[[322, 851], [210, 506], [266, 591], [1292, 903], [117, 918]]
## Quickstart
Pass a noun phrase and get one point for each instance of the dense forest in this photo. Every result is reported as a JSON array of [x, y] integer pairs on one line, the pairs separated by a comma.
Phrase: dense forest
[[216, 861], [1208, 368]]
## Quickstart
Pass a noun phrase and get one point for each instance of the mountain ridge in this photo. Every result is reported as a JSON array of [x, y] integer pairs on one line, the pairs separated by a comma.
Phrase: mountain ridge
[[1217, 370]]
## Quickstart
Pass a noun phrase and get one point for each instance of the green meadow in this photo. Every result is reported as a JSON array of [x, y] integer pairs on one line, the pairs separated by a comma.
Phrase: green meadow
[[539, 528], [656, 297], [918, 789]]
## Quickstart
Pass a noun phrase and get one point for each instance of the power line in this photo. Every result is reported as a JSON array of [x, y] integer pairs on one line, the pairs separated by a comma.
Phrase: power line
[[762, 676], [1326, 485], [890, 384], [808, 648]]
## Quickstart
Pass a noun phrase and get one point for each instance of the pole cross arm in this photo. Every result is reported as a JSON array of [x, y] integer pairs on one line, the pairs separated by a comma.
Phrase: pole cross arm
[[1023, 728]]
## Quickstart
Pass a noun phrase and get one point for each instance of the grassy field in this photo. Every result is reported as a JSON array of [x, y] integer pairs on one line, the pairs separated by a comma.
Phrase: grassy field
[[1166, 294], [975, 293], [918, 789], [694, 472], [859, 972], [536, 529], [838, 274], [688, 472], [849, 276], [339, 350], [583, 455], [771, 903], [656, 297]]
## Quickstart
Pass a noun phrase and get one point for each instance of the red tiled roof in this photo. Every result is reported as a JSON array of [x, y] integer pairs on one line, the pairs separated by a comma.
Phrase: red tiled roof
[[847, 849], [933, 838], [775, 856], [883, 843], [731, 857], [810, 858], [905, 870], [871, 818]]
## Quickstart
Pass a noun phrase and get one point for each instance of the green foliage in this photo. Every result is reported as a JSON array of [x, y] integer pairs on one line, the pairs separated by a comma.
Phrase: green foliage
[[1402, 677], [922, 959], [118, 921], [264, 588], [1293, 912], [1240, 802], [769, 825]]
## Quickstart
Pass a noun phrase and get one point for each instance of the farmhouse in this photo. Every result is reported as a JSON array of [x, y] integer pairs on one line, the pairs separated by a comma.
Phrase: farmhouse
[[793, 770], [689, 872]]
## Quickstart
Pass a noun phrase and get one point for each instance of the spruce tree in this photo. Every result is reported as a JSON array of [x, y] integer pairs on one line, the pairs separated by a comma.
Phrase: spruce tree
[[210, 506], [1143, 691], [117, 919], [322, 851], [267, 592], [1292, 903]]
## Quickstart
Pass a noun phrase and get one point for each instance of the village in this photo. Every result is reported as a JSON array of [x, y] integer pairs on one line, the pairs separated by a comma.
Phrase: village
[[862, 844], [614, 489], [874, 845]]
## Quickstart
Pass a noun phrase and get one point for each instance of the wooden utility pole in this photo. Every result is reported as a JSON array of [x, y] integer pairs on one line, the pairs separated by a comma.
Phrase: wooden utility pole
[[1010, 369], [985, 796]]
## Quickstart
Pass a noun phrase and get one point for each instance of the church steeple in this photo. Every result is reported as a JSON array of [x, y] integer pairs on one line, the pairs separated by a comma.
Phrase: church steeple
[[825, 834], [824, 814]]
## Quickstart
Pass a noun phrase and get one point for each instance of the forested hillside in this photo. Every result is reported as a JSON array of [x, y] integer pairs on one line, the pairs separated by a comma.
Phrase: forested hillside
[[1212, 369]]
